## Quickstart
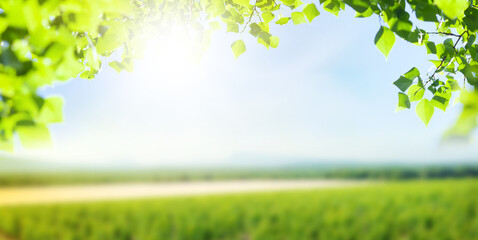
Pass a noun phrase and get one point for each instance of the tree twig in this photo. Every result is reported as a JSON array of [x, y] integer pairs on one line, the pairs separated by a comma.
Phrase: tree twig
[[441, 63], [444, 33], [250, 19], [443, 60]]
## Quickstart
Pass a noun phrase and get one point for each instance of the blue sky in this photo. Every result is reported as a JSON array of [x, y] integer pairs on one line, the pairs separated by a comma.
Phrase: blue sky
[[324, 94]]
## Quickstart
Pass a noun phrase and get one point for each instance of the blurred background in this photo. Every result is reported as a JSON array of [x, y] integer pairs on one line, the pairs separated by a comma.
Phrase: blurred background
[[325, 94], [310, 127]]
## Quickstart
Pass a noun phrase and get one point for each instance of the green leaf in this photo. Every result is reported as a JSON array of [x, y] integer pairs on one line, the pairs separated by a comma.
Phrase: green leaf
[[3, 25], [471, 73], [416, 93], [332, 6], [403, 102], [51, 110], [283, 20], [233, 27], [32, 14], [412, 73], [238, 48], [400, 23], [117, 66], [267, 16], [311, 12], [426, 12], [87, 75], [471, 19], [34, 136], [16, 15], [452, 8], [384, 40], [297, 3], [441, 100], [265, 39], [365, 14], [255, 29], [274, 42], [358, 5], [470, 40], [288, 2], [219, 8], [449, 46], [244, 3], [298, 18], [431, 48], [111, 40], [453, 85], [418, 36], [403, 83], [425, 111]]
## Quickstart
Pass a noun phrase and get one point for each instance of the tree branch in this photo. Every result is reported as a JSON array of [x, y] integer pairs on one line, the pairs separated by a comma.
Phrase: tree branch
[[441, 63], [250, 19], [444, 33]]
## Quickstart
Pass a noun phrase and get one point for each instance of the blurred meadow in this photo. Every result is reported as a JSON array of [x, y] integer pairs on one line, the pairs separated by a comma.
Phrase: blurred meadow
[[295, 143], [372, 202], [418, 209]]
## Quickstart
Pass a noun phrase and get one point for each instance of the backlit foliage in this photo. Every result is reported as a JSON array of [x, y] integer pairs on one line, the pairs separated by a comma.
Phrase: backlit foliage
[[46, 41]]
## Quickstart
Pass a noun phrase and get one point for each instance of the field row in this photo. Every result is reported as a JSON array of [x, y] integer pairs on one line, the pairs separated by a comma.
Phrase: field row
[[410, 210]]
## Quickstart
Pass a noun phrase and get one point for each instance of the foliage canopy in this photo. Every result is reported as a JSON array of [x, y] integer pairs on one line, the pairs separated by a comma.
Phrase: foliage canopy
[[45, 41]]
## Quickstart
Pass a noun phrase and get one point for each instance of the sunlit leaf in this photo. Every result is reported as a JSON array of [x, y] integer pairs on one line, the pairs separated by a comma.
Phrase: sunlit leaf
[[298, 18], [416, 93], [267, 16], [51, 110], [431, 48], [274, 43], [425, 111], [358, 5], [238, 48], [117, 66], [311, 12], [384, 40], [403, 83], [441, 100], [283, 20], [34, 136], [452, 8], [412, 73], [403, 102]]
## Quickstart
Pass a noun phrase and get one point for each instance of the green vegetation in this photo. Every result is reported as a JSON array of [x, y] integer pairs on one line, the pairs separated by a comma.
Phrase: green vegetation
[[411, 210], [46, 41], [312, 172]]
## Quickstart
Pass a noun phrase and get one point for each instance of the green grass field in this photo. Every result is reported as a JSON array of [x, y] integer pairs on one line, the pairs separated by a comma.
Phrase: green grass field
[[444, 209]]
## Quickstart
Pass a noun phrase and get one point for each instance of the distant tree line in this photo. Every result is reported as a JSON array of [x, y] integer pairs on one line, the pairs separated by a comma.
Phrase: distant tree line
[[405, 173], [359, 173]]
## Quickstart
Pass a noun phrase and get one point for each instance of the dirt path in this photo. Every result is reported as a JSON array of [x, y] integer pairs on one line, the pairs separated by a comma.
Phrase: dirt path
[[40, 195]]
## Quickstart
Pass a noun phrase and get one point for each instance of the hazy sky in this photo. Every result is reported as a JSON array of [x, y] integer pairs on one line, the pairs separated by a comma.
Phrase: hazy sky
[[326, 94]]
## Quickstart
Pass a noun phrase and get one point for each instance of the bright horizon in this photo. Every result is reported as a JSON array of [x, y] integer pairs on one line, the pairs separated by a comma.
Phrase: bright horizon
[[325, 93]]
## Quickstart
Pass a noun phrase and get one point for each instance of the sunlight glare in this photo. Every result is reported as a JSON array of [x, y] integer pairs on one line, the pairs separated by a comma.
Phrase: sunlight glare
[[171, 61]]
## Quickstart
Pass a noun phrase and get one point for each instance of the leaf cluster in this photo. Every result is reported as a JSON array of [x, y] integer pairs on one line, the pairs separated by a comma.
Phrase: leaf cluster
[[47, 41]]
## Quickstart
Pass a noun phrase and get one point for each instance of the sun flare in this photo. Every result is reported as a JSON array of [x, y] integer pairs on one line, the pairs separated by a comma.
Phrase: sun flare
[[172, 59]]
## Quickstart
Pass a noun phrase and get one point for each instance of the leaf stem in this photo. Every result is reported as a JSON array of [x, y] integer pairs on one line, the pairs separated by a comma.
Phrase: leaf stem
[[444, 58], [444, 33], [250, 19], [442, 61]]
